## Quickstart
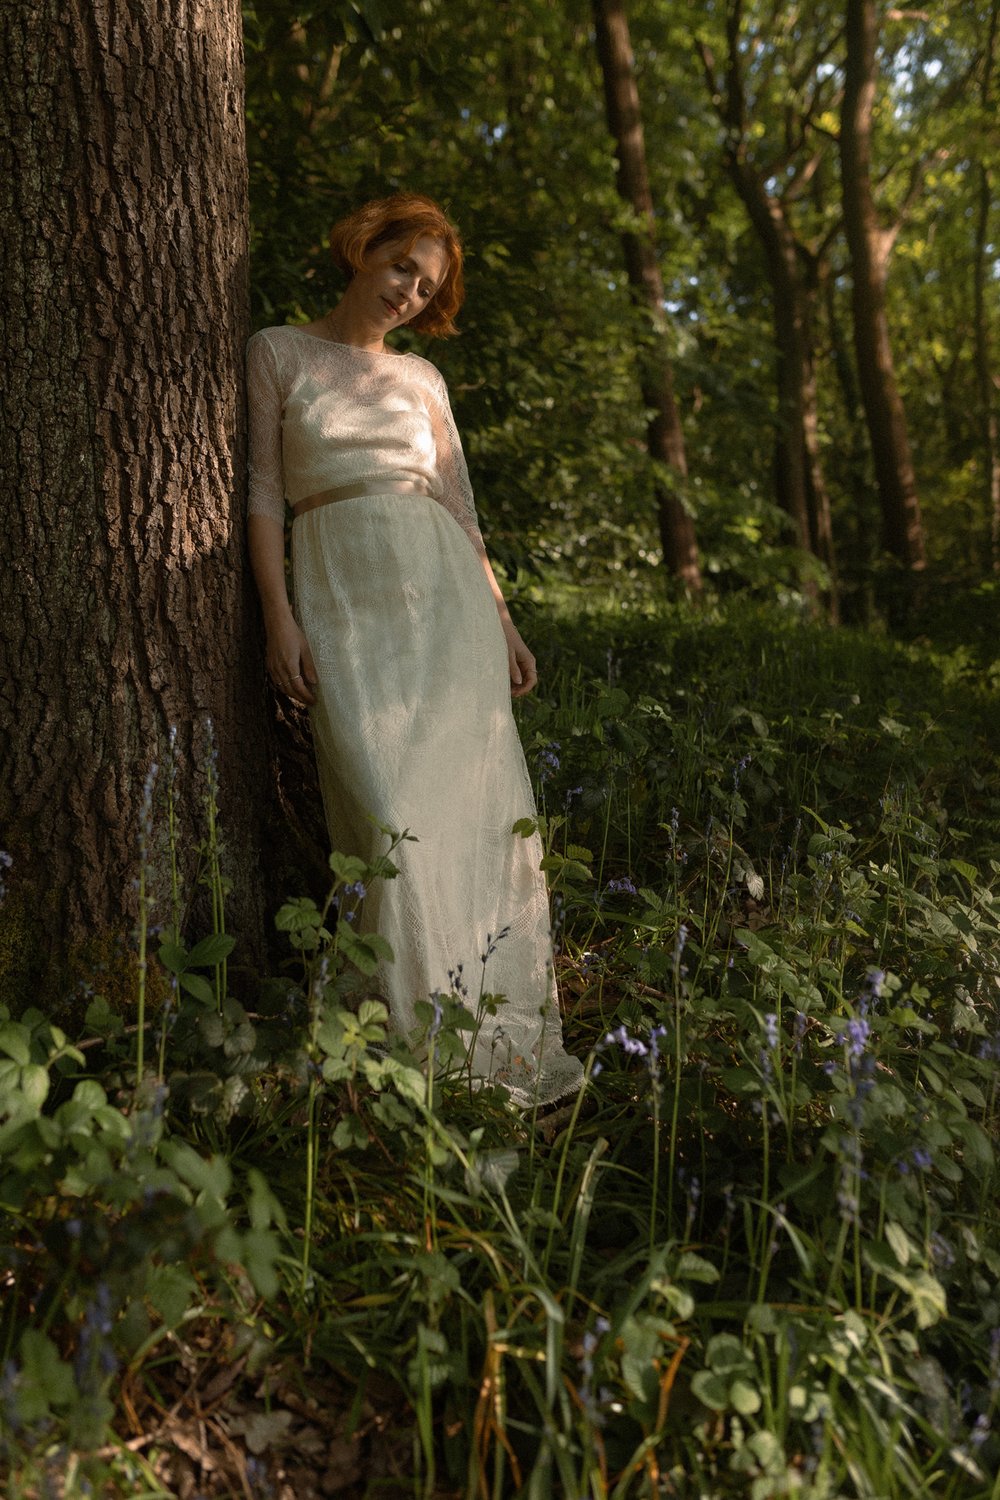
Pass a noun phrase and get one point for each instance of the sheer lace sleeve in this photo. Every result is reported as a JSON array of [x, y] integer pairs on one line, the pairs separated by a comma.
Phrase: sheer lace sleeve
[[266, 490], [456, 490]]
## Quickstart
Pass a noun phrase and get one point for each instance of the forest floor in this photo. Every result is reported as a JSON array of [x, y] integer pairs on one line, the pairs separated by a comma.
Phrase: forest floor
[[759, 1254]]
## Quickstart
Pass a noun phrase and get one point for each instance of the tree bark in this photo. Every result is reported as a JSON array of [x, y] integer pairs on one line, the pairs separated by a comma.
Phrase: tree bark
[[800, 484], [125, 606], [665, 437], [869, 245], [985, 382]]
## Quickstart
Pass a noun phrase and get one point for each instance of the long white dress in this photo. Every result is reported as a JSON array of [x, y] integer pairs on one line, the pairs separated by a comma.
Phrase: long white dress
[[412, 725]]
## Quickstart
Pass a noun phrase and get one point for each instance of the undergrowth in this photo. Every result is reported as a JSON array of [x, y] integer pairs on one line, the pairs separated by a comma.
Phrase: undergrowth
[[758, 1255]]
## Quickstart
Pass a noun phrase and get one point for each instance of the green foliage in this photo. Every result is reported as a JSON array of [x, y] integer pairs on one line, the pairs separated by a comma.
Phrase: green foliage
[[498, 112]]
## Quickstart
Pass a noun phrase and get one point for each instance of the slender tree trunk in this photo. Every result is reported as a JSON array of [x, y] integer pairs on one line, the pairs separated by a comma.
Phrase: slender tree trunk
[[800, 485], [869, 250], [124, 605], [985, 383], [665, 436]]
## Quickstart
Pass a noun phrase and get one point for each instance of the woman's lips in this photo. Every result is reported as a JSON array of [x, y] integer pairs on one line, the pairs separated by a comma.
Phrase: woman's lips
[[394, 310]]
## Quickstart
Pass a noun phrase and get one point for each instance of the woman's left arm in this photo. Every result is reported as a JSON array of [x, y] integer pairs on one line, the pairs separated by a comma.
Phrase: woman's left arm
[[457, 497], [523, 672]]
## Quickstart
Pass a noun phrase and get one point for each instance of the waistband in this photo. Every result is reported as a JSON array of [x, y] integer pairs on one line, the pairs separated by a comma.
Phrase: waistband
[[355, 492]]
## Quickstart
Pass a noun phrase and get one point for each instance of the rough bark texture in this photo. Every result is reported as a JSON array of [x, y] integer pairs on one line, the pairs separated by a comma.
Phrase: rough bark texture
[[869, 249], [665, 437], [124, 603]]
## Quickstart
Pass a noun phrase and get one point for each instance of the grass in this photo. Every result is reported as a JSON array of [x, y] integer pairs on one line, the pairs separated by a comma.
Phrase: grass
[[758, 1256]]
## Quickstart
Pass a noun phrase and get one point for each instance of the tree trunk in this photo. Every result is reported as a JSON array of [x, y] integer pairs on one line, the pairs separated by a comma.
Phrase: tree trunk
[[985, 384], [665, 437], [799, 481], [869, 250], [124, 605]]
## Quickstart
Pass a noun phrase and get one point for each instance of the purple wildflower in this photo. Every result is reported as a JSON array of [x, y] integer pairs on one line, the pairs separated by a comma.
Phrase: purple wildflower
[[547, 760], [738, 770], [624, 887]]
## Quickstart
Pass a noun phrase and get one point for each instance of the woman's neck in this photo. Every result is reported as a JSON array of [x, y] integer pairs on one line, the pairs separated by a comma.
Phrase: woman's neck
[[345, 326]]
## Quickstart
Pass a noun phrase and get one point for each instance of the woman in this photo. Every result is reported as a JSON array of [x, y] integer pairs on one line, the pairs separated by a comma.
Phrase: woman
[[400, 642]]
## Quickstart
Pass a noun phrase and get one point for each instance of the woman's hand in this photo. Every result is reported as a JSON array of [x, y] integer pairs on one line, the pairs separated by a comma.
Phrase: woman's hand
[[289, 660], [523, 675]]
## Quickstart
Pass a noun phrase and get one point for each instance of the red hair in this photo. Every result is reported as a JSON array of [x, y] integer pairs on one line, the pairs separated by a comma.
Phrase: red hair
[[403, 218]]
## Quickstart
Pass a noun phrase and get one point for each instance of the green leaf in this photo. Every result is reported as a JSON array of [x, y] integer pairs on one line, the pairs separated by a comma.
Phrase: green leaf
[[349, 1132], [198, 986], [297, 915], [725, 1354], [347, 867], [211, 950], [173, 957], [744, 1398], [372, 1011], [46, 1380], [261, 1250], [902, 1247], [711, 1389], [172, 1290], [211, 1176], [525, 827], [692, 1267], [89, 1093], [35, 1084], [15, 1040]]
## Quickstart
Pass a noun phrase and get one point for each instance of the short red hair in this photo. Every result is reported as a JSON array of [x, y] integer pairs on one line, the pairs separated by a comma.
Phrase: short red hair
[[404, 217]]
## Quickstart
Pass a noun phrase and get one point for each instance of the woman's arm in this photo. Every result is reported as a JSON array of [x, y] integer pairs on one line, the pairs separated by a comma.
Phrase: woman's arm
[[288, 657], [523, 673], [289, 660], [457, 497]]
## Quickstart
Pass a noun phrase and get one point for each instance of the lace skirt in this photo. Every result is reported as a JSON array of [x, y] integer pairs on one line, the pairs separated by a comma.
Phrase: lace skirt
[[413, 730]]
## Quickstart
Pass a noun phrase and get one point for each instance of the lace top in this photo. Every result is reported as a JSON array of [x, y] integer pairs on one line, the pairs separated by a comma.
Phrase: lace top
[[324, 415]]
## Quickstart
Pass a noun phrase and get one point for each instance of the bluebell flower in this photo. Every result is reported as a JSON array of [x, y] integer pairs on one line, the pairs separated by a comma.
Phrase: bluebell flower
[[589, 1343], [680, 942], [942, 1252], [95, 1358], [547, 760], [624, 887]]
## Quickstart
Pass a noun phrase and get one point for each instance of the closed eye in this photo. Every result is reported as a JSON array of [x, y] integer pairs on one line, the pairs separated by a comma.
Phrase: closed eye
[[425, 291]]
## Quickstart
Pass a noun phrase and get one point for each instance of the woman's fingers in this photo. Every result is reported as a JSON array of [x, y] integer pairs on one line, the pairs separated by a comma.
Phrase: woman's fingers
[[292, 671], [523, 664]]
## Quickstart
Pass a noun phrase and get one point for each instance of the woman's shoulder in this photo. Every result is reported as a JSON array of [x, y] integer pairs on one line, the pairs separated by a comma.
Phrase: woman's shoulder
[[277, 335], [423, 369]]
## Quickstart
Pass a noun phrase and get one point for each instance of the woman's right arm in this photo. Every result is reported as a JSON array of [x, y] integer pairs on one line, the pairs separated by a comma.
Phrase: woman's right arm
[[289, 660]]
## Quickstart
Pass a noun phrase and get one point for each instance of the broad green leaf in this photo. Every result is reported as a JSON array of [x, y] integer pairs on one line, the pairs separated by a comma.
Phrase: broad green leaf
[[211, 950], [15, 1040]]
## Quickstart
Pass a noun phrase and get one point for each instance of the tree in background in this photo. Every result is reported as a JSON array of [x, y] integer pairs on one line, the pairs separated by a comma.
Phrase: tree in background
[[870, 245], [125, 604], [665, 437], [773, 64], [986, 381]]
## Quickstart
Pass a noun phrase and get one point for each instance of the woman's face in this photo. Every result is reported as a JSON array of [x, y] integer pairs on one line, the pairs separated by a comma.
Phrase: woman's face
[[398, 283]]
